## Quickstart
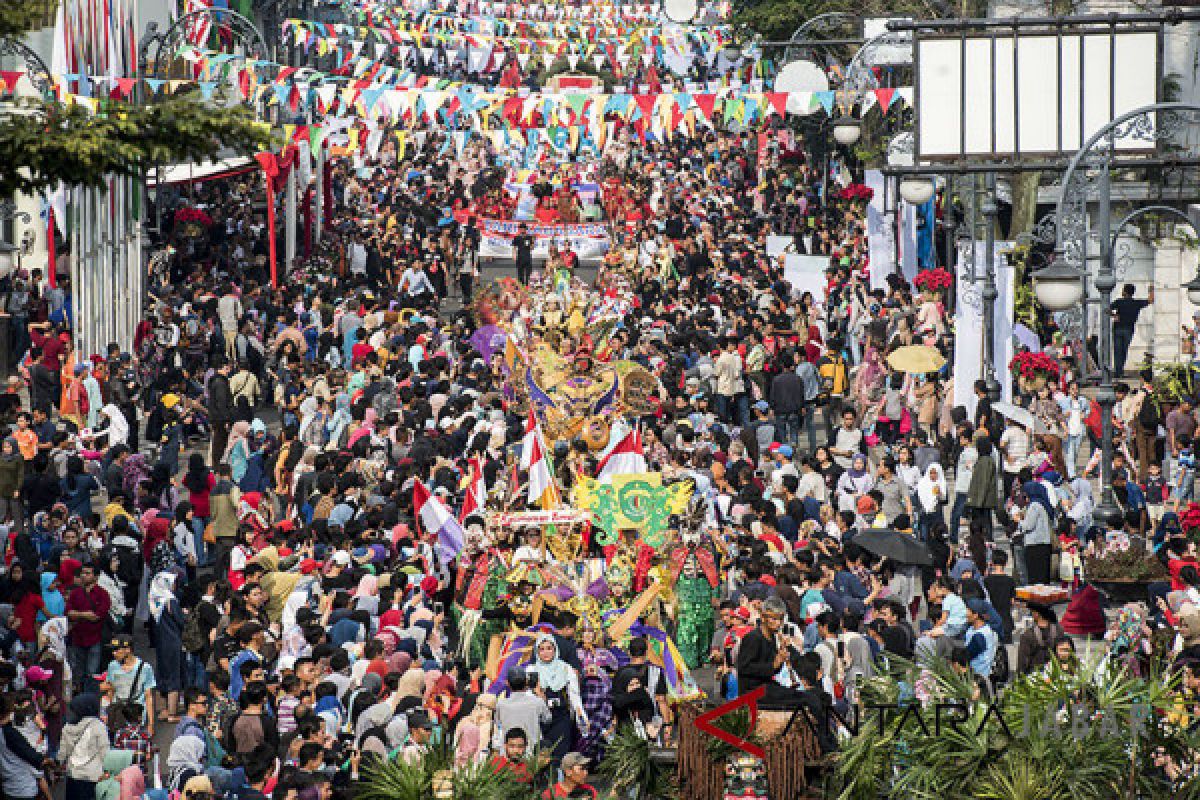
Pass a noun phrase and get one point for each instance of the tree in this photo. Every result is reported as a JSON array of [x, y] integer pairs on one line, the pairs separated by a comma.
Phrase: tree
[[777, 20], [46, 142]]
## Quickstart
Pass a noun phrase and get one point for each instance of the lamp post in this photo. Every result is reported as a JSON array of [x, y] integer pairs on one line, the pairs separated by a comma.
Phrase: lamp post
[[1059, 287], [989, 293], [10, 253]]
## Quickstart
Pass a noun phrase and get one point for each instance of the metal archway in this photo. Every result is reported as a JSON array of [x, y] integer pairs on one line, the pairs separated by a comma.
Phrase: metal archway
[[1087, 174], [159, 50], [35, 69]]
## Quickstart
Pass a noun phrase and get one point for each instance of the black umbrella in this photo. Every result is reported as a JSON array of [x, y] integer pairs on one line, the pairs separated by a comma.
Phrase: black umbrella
[[901, 547]]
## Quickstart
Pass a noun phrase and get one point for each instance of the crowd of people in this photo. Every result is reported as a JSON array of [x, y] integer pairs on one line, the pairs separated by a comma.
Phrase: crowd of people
[[237, 490]]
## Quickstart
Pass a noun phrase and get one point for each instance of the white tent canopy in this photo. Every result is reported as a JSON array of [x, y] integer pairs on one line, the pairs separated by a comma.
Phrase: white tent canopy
[[206, 170]]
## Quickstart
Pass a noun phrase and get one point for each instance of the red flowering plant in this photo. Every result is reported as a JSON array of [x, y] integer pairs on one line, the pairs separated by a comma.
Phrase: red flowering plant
[[1031, 365], [193, 216], [934, 280], [857, 192]]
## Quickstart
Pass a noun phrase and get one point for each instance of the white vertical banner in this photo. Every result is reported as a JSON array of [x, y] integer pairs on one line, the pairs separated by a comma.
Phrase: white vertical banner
[[969, 316], [908, 240], [1005, 318], [881, 246]]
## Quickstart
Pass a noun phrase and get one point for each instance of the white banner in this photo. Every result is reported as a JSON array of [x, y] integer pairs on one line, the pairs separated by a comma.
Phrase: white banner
[[968, 350], [589, 241], [881, 237]]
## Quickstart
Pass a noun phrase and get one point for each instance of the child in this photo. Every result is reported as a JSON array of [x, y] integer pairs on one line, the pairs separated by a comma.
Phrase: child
[[289, 699], [1156, 490], [1184, 479]]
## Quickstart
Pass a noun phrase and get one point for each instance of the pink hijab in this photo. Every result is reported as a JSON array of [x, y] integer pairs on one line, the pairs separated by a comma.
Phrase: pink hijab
[[132, 782], [367, 428], [466, 746]]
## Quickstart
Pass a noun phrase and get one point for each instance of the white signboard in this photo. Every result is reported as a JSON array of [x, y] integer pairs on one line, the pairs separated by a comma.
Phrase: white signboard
[[1010, 95]]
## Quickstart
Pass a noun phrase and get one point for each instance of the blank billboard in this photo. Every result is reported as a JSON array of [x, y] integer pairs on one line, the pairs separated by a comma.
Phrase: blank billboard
[[1046, 95]]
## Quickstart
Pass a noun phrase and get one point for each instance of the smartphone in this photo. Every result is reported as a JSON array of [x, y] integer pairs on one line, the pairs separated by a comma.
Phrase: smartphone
[[438, 607]]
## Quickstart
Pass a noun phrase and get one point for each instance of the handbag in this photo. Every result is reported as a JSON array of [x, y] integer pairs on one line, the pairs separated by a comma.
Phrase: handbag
[[210, 534]]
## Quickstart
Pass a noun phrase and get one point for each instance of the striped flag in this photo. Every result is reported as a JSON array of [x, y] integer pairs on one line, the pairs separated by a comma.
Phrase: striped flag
[[534, 459], [624, 459], [200, 28], [476, 499], [437, 520]]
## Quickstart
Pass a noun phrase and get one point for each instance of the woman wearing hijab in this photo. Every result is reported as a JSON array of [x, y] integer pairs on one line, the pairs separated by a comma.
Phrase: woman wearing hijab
[[854, 483], [366, 596], [78, 487], [52, 597], [559, 687], [83, 747], [12, 475], [1032, 514], [1080, 506], [931, 498], [185, 760], [237, 451], [339, 424], [168, 641], [117, 430], [598, 665]]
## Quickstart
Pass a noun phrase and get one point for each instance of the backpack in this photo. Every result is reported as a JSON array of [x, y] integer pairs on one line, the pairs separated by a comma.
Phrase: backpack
[[1001, 670], [193, 637]]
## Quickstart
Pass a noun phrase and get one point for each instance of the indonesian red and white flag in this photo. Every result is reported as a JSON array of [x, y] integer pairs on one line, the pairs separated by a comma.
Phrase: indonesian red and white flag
[[542, 490], [625, 458], [476, 499]]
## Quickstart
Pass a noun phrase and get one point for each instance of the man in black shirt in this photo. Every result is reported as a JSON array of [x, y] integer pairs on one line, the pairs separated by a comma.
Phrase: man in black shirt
[[1125, 313], [639, 688], [523, 249], [763, 652]]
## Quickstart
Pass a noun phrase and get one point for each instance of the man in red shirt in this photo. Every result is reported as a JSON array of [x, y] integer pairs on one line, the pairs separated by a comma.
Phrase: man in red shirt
[[516, 743], [87, 606], [574, 782], [50, 342]]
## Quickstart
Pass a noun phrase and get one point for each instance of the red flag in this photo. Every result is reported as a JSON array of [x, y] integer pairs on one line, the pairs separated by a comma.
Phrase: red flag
[[51, 255], [476, 499]]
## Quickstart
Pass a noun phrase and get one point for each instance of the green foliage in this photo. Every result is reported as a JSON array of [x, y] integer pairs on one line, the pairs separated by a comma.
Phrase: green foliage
[[18, 17], [736, 722], [55, 143], [777, 20], [1173, 381], [1038, 754], [627, 766], [394, 779]]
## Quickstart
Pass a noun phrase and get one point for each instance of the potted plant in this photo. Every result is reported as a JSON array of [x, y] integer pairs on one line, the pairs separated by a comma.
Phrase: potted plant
[[1122, 566], [192, 222], [1033, 370], [857, 194], [1050, 734], [932, 282]]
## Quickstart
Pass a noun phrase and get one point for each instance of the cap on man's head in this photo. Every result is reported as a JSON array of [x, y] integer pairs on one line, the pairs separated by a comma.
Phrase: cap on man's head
[[121, 640], [572, 760]]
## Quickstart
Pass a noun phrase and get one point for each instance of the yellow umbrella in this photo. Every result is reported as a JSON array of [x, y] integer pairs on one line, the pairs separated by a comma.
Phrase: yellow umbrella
[[917, 359]]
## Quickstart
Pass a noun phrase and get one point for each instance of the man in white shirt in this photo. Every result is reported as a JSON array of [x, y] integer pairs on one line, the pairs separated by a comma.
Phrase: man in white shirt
[[730, 384], [229, 312], [962, 480], [1014, 444]]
